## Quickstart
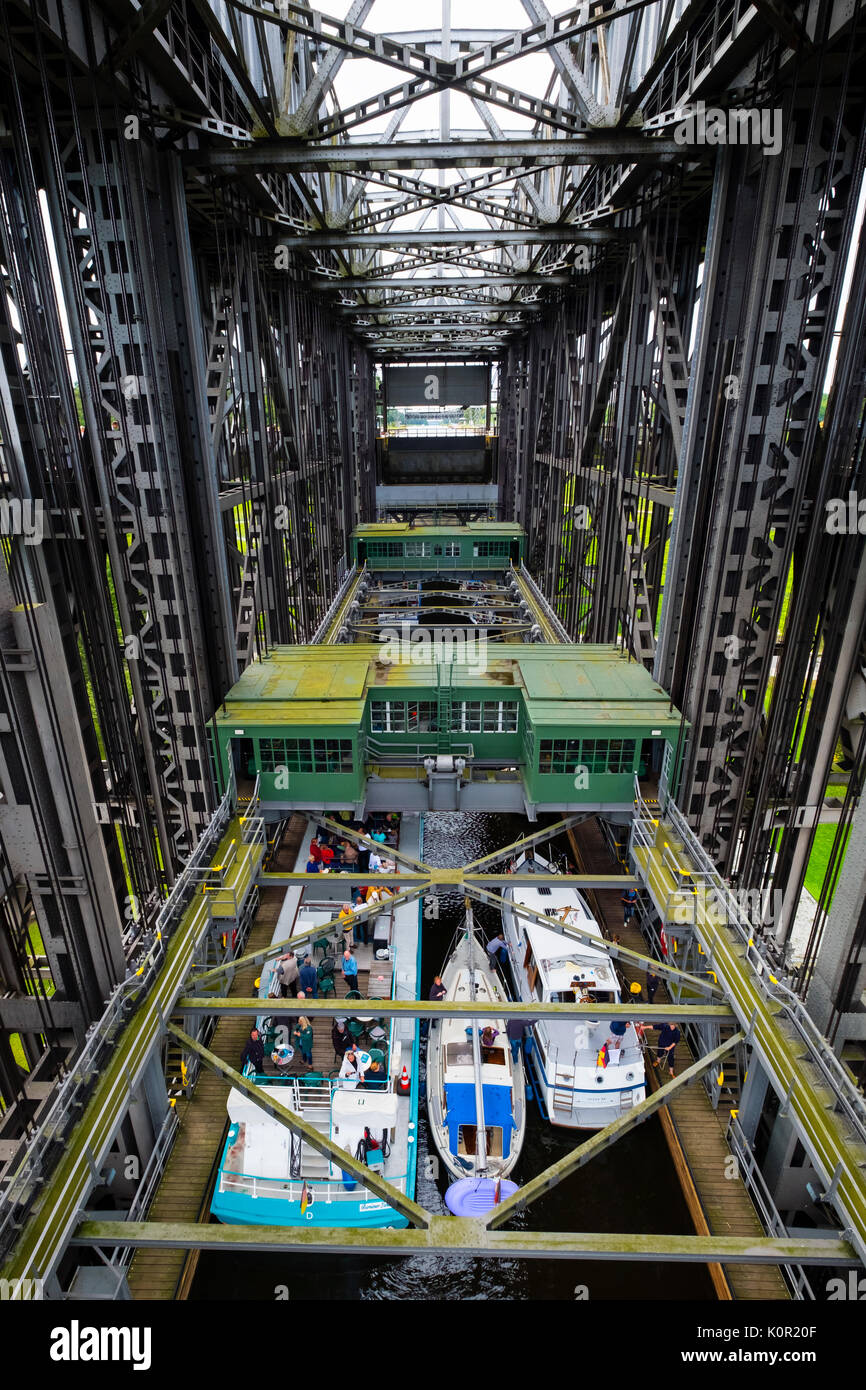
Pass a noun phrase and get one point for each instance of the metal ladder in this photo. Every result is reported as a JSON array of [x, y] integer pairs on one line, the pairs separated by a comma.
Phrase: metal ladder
[[316, 1112], [638, 618], [247, 615], [443, 709], [562, 1089]]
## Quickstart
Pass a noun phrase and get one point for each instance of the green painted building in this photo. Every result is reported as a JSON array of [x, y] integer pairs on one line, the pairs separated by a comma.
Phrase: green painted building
[[487, 545], [538, 726]]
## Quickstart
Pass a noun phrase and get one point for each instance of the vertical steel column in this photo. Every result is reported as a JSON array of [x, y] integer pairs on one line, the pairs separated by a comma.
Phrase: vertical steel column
[[778, 363]]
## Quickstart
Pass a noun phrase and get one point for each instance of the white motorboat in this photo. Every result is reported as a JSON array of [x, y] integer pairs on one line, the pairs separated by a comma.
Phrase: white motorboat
[[588, 1072]]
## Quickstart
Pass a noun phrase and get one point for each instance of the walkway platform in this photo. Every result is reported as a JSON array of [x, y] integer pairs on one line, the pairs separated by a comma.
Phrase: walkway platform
[[719, 1206], [183, 1190], [234, 869], [669, 861]]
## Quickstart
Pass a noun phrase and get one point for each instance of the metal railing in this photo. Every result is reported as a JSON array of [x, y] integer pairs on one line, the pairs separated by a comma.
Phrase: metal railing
[[701, 876], [47, 1143], [345, 585], [763, 1200], [148, 1183], [327, 1190], [435, 432], [538, 596], [374, 750]]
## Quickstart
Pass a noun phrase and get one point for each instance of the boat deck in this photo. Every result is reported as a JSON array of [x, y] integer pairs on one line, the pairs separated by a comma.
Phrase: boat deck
[[719, 1206]]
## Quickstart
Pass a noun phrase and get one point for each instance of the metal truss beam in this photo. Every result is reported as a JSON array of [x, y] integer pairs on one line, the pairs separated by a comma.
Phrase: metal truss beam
[[765, 444], [461, 1235], [429, 284], [353, 158], [480, 89], [422, 1008], [305, 114], [561, 29]]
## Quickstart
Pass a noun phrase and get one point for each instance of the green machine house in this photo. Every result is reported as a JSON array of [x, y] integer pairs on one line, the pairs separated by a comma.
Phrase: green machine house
[[486, 728]]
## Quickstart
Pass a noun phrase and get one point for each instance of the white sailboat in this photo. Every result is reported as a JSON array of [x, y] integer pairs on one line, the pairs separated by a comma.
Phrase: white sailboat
[[475, 1090]]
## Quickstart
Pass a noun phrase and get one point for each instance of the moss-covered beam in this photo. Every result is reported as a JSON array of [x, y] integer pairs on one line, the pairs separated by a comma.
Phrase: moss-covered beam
[[603, 1138], [449, 1008], [461, 1235], [458, 876]]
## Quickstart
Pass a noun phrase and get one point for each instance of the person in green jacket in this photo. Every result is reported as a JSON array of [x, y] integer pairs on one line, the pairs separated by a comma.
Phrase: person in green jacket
[[302, 1038]]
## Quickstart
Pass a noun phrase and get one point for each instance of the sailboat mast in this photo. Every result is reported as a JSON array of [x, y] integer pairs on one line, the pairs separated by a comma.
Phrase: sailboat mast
[[480, 1127]]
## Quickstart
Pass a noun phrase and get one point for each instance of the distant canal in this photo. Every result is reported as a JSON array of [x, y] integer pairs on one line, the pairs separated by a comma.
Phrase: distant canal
[[631, 1187]]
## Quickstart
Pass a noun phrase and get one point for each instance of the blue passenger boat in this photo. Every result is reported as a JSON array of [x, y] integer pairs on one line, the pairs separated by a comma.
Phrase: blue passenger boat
[[270, 1176]]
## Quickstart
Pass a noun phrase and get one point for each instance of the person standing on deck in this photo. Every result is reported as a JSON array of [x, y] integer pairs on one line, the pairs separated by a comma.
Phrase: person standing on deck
[[669, 1036], [302, 1037], [350, 969], [309, 979], [254, 1052], [287, 974], [437, 989], [346, 918], [350, 856], [498, 947], [652, 984], [514, 1031], [629, 903], [340, 1037]]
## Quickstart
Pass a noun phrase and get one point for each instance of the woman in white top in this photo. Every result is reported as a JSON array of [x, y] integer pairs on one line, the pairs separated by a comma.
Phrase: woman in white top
[[350, 1070]]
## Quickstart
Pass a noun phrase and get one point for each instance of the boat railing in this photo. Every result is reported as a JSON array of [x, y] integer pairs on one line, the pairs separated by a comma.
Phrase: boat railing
[[304, 1094], [291, 1189]]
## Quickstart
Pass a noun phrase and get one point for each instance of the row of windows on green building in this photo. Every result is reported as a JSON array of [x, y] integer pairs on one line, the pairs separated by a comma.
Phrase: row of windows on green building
[[555, 756], [422, 716], [380, 550]]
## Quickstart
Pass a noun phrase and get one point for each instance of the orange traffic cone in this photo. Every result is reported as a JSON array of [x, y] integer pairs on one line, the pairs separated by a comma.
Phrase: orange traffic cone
[[403, 1083]]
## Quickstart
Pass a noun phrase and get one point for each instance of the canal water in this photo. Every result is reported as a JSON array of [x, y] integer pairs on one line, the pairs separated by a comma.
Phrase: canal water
[[632, 1187]]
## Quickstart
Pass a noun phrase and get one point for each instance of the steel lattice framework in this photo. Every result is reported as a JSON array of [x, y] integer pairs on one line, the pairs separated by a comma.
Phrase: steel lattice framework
[[218, 219]]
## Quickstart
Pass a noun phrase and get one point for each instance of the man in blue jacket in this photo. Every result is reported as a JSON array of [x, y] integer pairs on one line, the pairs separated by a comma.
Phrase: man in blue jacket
[[254, 1052], [308, 979], [669, 1036]]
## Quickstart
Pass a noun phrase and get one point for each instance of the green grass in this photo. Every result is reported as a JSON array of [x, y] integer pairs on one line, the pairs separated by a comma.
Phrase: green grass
[[819, 859]]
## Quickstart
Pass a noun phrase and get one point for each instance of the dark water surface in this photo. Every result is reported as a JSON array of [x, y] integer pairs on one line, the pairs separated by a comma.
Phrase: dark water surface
[[631, 1187]]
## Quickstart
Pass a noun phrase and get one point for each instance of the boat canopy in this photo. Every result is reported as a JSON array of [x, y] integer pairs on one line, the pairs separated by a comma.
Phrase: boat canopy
[[241, 1109], [460, 1102], [560, 959], [375, 1110]]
